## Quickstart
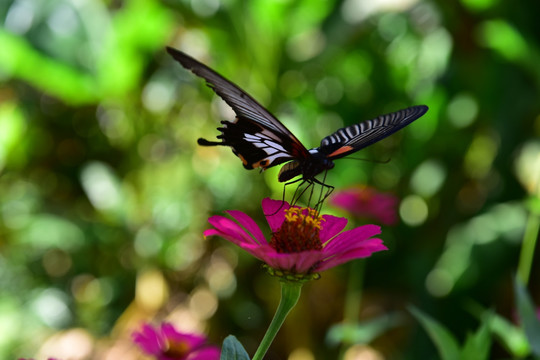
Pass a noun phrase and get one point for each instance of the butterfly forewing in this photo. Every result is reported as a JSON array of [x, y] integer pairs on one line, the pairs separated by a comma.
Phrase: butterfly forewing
[[355, 137], [269, 152]]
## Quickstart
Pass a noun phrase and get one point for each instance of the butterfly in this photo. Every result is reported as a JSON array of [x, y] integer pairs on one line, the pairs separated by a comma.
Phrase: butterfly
[[260, 140]]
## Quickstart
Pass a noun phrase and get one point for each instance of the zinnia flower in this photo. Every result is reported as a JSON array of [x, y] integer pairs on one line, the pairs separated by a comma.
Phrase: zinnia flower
[[365, 201], [302, 243], [165, 343]]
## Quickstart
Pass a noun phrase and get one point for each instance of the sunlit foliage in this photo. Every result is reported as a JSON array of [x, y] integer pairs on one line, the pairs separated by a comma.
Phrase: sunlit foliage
[[104, 193]]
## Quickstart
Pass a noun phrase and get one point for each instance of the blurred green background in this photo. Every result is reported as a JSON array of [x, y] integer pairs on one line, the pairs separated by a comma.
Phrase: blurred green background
[[104, 193]]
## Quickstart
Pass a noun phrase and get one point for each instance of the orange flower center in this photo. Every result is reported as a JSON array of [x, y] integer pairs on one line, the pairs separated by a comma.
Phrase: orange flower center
[[176, 349], [299, 232]]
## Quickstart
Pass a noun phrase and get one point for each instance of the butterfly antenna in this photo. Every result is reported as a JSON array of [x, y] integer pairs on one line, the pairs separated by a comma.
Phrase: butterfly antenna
[[369, 160]]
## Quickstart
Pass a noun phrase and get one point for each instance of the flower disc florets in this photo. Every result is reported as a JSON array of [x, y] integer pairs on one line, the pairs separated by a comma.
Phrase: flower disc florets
[[299, 232]]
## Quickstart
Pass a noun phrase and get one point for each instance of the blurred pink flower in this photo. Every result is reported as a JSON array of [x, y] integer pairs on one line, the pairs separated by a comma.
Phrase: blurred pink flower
[[165, 343], [365, 201], [302, 242]]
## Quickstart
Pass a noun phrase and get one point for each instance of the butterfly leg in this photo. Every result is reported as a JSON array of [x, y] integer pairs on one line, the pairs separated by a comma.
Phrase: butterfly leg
[[283, 196], [299, 191], [294, 199], [279, 208], [322, 198], [312, 185]]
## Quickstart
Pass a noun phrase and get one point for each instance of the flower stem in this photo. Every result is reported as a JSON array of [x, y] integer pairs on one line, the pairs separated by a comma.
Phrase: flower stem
[[353, 299], [290, 293], [529, 243], [354, 291]]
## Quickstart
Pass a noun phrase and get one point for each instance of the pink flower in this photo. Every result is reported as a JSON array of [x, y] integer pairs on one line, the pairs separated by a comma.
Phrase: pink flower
[[365, 201], [302, 242], [165, 343]]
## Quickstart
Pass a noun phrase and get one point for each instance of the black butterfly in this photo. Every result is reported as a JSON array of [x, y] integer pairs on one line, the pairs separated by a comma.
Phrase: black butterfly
[[259, 139]]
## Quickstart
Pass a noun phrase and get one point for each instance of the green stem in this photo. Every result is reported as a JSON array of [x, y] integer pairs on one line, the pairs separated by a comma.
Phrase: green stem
[[527, 248], [290, 293], [354, 292], [353, 298]]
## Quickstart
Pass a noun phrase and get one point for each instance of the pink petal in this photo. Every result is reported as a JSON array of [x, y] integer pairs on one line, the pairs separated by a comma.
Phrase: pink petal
[[168, 330], [368, 202], [259, 251], [192, 340], [280, 261], [207, 353], [331, 226], [306, 261], [367, 249], [301, 262], [274, 210], [235, 240], [149, 340], [265, 253], [229, 230], [349, 239], [249, 224]]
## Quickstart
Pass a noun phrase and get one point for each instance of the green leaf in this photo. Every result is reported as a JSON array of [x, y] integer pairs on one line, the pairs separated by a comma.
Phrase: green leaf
[[362, 332], [233, 350], [512, 337], [528, 317], [444, 341], [477, 345]]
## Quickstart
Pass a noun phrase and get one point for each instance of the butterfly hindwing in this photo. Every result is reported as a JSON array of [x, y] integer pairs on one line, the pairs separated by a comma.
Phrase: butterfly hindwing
[[255, 145], [356, 137]]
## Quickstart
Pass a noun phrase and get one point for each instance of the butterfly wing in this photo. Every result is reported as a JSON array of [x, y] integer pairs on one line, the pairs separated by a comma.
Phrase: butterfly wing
[[355, 137], [257, 137]]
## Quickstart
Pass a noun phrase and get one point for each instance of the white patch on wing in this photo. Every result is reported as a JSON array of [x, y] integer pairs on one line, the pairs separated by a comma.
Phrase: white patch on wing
[[266, 143], [251, 137], [270, 151], [272, 158]]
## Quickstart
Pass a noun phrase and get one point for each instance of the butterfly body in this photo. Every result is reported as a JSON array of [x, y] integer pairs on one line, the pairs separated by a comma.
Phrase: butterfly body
[[308, 168], [260, 140]]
